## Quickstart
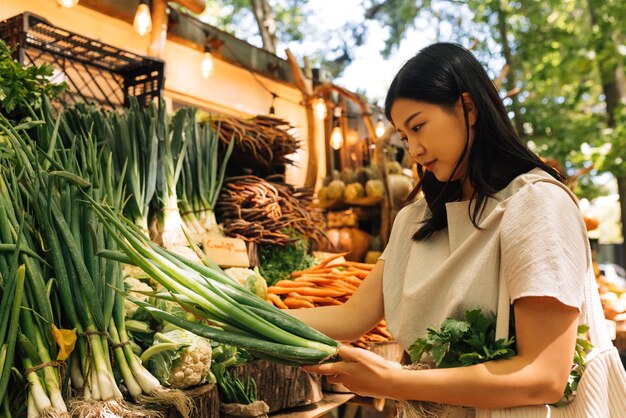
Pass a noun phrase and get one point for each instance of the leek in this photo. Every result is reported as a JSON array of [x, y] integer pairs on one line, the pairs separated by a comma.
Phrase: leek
[[172, 152]]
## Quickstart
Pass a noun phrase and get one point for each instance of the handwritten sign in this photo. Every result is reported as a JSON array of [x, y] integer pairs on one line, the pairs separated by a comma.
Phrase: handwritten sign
[[227, 252]]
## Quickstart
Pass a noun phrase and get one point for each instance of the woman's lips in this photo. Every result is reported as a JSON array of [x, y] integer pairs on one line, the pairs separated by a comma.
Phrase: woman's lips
[[429, 165]]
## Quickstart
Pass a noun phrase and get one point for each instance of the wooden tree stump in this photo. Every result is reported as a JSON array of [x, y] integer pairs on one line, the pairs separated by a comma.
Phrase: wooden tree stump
[[282, 386], [207, 402]]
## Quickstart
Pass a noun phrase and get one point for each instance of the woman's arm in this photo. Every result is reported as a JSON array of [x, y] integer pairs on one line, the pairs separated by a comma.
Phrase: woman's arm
[[546, 336], [354, 318]]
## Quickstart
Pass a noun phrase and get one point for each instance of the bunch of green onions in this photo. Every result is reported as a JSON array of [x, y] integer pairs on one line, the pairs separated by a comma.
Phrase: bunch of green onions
[[231, 314], [202, 177], [58, 169], [172, 151], [36, 347]]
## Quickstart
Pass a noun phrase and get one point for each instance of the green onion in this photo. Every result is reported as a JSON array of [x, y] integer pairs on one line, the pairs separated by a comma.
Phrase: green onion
[[218, 299]]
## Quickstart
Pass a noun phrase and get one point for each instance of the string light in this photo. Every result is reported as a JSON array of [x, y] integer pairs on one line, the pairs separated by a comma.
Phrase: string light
[[320, 109], [143, 19], [336, 138], [272, 109], [67, 3], [207, 63], [380, 128]]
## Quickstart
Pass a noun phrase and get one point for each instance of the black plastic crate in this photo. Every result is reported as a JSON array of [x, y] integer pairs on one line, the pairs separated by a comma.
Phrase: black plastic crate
[[95, 72]]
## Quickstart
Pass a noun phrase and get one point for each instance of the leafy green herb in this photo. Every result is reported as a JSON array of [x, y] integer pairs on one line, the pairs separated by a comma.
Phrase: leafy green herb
[[234, 389], [23, 87], [463, 343], [278, 262]]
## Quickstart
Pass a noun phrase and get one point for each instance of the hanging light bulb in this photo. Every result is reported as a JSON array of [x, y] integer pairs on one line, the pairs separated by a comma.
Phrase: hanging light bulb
[[143, 19], [336, 138], [380, 128], [207, 63], [320, 109], [67, 3]]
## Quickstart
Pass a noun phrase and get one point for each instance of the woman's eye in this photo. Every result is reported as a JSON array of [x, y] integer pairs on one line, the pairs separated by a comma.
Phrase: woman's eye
[[417, 127]]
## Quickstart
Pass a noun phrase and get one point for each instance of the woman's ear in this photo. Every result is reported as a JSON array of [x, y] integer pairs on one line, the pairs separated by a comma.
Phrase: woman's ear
[[470, 107]]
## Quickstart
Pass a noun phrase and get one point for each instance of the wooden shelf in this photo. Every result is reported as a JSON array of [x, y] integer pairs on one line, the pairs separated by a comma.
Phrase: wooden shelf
[[329, 402]]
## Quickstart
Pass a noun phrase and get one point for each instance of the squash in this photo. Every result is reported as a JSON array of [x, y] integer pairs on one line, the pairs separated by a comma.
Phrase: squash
[[400, 186], [372, 257], [336, 189], [374, 188], [350, 239], [354, 191]]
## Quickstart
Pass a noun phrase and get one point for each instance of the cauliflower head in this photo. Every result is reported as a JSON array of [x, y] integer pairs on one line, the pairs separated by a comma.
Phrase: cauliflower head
[[179, 359], [131, 283]]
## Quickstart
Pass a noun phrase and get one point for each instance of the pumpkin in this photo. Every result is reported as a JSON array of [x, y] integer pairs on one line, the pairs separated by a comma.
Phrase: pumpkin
[[322, 194], [374, 188], [350, 239], [354, 191], [336, 189]]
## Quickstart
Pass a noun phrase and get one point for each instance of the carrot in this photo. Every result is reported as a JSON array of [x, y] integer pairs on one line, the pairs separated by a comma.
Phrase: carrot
[[296, 303], [362, 266], [307, 291], [312, 291], [383, 331], [352, 280], [324, 300], [291, 283], [277, 290], [316, 280], [311, 270], [277, 301], [333, 257], [376, 337], [299, 296], [359, 274]]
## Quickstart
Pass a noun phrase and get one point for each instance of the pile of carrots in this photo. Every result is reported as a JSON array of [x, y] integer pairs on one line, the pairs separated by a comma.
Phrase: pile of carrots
[[331, 282]]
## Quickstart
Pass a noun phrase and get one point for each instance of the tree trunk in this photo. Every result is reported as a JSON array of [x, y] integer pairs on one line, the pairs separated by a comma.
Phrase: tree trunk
[[508, 56], [267, 24], [612, 78], [621, 190]]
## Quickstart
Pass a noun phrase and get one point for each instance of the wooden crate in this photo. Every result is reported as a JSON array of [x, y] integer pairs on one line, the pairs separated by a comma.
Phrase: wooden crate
[[281, 386], [207, 402]]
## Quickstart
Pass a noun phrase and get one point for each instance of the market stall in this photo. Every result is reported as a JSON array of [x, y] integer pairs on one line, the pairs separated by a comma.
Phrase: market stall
[[151, 201]]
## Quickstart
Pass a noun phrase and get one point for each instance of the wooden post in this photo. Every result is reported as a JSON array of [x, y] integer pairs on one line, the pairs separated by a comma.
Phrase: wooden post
[[304, 86], [159, 28]]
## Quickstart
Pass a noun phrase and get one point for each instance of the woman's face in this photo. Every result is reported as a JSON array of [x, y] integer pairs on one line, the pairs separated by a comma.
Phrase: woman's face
[[433, 135]]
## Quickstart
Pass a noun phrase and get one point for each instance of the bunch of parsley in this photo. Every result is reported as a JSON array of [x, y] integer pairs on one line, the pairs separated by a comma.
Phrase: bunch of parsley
[[463, 343], [473, 341], [23, 87], [279, 261]]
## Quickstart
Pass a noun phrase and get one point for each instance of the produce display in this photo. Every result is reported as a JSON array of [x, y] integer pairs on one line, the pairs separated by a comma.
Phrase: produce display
[[326, 284], [85, 289]]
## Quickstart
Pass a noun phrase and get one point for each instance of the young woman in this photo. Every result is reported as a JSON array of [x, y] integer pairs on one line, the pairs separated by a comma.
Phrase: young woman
[[491, 211]]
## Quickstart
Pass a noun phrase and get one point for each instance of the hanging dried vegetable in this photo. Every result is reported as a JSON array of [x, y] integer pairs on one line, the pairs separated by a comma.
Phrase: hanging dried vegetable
[[261, 211]]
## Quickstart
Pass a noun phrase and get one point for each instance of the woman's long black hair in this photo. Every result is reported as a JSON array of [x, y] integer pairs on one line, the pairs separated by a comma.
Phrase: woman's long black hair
[[439, 74]]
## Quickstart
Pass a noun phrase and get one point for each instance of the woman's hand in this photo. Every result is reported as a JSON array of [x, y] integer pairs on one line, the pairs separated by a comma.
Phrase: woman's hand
[[361, 371]]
